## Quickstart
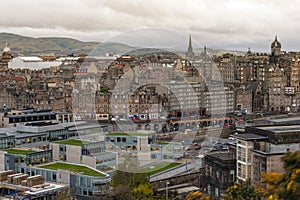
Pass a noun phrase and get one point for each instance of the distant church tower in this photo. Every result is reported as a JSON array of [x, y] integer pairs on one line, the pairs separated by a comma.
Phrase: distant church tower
[[275, 51], [190, 52], [204, 52]]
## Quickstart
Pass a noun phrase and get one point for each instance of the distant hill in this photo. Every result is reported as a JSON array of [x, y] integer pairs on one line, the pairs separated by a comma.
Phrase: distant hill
[[23, 45], [58, 45], [219, 52]]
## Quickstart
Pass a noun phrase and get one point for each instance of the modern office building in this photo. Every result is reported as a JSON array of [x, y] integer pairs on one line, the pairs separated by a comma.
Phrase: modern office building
[[17, 158], [84, 180], [260, 148], [13, 118], [266, 154], [245, 143], [142, 146], [89, 153]]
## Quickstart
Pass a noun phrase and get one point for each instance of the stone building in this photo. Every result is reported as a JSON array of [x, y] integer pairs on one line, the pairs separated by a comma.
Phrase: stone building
[[220, 173], [244, 99], [226, 67], [278, 101], [6, 57]]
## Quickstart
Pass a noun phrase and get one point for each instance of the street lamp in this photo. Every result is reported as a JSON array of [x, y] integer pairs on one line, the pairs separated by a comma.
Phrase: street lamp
[[167, 183]]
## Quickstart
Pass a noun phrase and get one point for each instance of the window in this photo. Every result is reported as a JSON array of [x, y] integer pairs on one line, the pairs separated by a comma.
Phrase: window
[[84, 192], [208, 189], [217, 192]]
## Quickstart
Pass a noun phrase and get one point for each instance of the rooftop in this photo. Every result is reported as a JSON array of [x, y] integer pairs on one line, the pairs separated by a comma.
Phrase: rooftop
[[29, 114], [42, 189], [222, 155], [163, 166], [30, 58], [73, 168], [287, 119], [20, 151], [250, 136], [127, 134], [85, 126], [280, 129], [73, 142]]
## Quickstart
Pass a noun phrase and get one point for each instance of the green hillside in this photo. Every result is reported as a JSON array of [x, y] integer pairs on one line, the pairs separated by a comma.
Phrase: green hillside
[[57, 45], [23, 45]]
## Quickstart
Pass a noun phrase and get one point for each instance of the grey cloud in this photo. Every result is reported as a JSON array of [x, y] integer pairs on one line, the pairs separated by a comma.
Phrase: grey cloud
[[228, 24]]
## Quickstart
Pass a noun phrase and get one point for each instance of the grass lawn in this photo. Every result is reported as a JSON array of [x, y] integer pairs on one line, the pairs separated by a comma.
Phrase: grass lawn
[[126, 134], [73, 142], [76, 168], [19, 151], [160, 167], [163, 143]]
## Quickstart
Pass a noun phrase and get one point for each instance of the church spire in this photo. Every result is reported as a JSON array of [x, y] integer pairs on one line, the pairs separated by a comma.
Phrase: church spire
[[190, 48], [249, 51], [190, 52]]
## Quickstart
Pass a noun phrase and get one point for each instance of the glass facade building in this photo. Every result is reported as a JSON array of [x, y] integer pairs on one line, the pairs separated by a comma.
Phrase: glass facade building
[[7, 141], [83, 185], [17, 162]]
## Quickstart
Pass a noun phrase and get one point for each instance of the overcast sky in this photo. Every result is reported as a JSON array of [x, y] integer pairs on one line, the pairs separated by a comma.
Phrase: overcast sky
[[230, 24]]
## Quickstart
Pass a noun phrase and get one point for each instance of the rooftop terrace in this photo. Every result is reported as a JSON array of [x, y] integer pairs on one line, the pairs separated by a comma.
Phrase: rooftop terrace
[[73, 142], [20, 151], [73, 168], [154, 169]]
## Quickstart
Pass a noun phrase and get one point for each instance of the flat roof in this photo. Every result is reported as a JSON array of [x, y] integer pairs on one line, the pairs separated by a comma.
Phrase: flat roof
[[127, 134], [30, 58], [25, 135], [279, 129], [222, 155], [160, 167], [29, 114], [250, 136], [73, 142], [87, 126], [20, 151], [47, 187], [73, 168], [287, 119]]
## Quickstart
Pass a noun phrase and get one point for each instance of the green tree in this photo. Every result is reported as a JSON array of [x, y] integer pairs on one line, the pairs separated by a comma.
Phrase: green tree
[[128, 184], [289, 184], [197, 195], [270, 187], [143, 191], [243, 190], [129, 179]]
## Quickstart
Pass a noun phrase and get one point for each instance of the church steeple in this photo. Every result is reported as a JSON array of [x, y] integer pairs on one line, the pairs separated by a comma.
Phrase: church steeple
[[190, 53], [190, 48], [275, 50], [249, 51]]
